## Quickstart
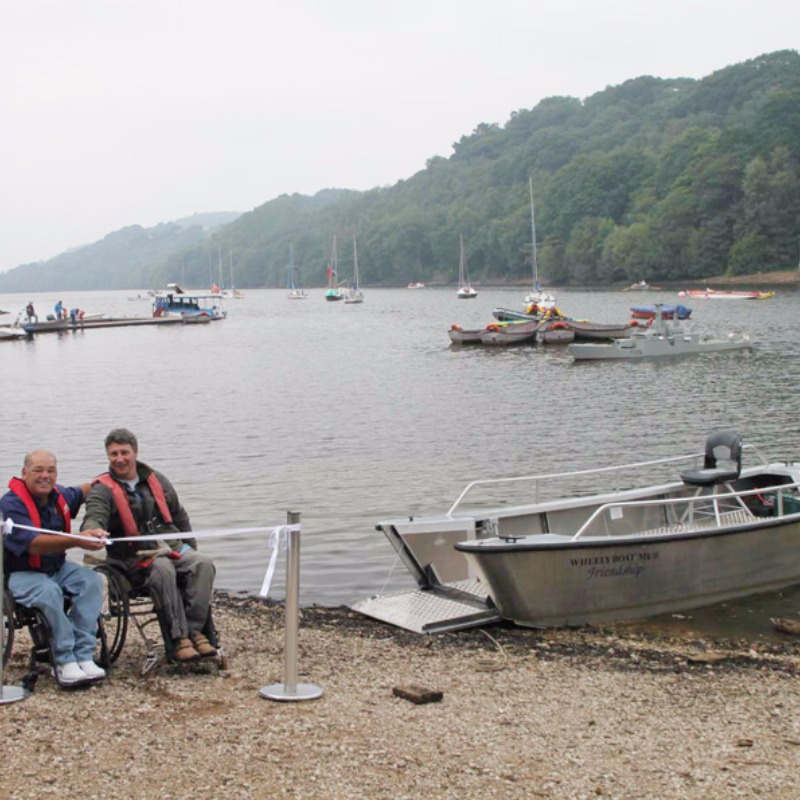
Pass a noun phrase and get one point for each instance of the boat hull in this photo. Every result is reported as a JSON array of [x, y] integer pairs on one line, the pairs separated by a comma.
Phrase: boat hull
[[580, 583], [510, 334], [639, 347], [460, 336]]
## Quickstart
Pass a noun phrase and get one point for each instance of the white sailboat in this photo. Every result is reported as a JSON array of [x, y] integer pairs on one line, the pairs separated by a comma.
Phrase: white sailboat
[[333, 292], [544, 300], [354, 293], [465, 290], [294, 292]]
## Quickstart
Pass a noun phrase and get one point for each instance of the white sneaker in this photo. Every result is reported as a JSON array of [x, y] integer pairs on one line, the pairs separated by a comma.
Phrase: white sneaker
[[69, 673], [91, 670]]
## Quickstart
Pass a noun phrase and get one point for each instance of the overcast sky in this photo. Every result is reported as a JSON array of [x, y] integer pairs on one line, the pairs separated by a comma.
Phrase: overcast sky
[[121, 112]]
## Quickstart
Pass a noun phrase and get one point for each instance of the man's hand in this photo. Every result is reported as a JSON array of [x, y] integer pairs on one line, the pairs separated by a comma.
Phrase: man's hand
[[96, 533]]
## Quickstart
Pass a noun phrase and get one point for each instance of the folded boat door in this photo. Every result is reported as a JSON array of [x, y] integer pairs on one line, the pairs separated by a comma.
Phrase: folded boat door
[[449, 597], [443, 607]]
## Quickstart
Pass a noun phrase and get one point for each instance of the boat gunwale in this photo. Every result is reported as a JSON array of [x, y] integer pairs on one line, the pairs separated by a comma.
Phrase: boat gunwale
[[512, 544]]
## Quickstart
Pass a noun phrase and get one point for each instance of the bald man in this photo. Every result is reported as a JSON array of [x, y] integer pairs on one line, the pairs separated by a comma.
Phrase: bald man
[[39, 574]]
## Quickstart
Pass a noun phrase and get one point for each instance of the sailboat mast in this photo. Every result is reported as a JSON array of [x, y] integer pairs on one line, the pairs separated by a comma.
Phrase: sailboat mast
[[534, 263], [355, 264], [334, 266]]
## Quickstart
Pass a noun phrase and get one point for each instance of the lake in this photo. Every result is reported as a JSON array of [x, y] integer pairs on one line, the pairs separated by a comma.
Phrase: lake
[[350, 414]]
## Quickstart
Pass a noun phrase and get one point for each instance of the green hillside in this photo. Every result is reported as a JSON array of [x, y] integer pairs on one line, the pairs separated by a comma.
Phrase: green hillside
[[662, 179]]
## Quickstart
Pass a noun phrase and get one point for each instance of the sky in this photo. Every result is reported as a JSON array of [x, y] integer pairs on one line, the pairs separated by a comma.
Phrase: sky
[[123, 112]]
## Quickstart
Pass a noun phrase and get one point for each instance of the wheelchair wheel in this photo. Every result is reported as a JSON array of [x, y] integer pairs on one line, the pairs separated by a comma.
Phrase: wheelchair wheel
[[9, 627], [114, 611]]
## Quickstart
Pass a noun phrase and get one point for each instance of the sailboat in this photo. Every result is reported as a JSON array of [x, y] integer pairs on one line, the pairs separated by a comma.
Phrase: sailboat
[[544, 300], [294, 292], [465, 290], [354, 293], [333, 292], [234, 292]]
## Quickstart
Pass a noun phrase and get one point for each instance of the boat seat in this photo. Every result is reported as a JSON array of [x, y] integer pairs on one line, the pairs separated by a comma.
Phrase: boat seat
[[722, 464], [722, 446]]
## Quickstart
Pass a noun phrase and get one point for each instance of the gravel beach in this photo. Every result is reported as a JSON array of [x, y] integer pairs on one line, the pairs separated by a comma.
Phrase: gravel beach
[[523, 714]]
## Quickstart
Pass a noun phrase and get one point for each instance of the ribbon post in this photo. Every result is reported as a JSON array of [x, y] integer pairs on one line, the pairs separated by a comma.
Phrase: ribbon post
[[290, 689], [8, 694]]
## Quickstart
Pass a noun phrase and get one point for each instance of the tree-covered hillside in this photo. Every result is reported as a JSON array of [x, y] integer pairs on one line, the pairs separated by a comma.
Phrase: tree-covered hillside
[[663, 179]]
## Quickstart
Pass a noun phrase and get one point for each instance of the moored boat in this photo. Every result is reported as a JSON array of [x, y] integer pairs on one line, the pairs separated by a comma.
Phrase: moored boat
[[715, 294], [504, 334], [685, 531], [598, 331], [661, 340], [7, 333], [459, 335], [667, 311], [554, 333], [177, 301], [465, 290]]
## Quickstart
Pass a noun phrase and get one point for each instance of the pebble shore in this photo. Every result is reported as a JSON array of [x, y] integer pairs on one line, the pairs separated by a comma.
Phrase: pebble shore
[[523, 714]]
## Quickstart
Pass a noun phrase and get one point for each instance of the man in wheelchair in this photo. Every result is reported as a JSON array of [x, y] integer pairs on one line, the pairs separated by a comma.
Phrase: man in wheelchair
[[132, 499], [39, 574]]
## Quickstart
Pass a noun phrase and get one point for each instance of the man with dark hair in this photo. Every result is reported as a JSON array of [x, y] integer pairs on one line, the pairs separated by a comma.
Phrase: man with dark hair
[[133, 499], [39, 574]]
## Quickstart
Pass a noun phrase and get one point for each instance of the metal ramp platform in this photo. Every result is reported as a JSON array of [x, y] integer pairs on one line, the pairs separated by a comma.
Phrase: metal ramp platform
[[444, 607]]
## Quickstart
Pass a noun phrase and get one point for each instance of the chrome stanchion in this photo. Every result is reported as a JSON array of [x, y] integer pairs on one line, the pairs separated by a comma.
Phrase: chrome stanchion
[[290, 689], [8, 694]]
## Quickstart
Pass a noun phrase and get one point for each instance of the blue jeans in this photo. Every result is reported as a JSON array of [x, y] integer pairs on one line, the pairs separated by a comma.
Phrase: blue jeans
[[74, 634]]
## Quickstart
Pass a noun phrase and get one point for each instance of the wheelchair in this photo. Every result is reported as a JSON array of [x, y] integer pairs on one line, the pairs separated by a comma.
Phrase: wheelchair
[[41, 658], [125, 603]]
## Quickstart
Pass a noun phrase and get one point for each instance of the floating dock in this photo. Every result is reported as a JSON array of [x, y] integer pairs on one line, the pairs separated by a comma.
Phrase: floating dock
[[58, 326]]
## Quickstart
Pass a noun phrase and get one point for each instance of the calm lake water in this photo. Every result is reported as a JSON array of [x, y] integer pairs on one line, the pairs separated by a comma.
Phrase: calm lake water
[[351, 414]]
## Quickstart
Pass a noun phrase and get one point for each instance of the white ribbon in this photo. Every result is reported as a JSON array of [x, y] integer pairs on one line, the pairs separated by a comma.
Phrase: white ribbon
[[278, 540]]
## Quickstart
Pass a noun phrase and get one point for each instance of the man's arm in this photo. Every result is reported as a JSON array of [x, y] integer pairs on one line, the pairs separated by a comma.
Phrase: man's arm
[[53, 543], [98, 509]]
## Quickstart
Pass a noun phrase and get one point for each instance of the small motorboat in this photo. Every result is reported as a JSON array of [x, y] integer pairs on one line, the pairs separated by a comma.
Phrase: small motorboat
[[503, 334], [714, 294], [667, 312], [416, 285], [556, 332], [661, 340], [460, 336], [7, 333], [663, 536]]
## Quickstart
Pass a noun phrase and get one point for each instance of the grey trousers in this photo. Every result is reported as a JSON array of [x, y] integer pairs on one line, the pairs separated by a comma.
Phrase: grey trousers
[[187, 614]]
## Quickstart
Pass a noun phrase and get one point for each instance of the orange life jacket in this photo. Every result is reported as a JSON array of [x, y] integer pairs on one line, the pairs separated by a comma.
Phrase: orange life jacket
[[129, 526], [19, 488]]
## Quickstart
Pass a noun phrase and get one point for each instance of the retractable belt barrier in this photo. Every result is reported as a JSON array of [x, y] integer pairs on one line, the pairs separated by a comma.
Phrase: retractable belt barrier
[[278, 538], [281, 537]]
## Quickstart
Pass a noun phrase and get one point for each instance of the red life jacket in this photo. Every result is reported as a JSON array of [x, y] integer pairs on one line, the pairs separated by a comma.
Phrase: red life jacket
[[129, 526], [19, 488]]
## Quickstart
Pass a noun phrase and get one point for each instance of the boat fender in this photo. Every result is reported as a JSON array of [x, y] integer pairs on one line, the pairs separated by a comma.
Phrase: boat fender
[[559, 326], [455, 327], [633, 324]]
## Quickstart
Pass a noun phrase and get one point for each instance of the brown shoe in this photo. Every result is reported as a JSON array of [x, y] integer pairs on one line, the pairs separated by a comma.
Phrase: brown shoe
[[203, 646], [184, 651]]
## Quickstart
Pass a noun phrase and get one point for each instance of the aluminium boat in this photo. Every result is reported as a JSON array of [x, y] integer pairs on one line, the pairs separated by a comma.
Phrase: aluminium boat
[[661, 340], [621, 542]]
